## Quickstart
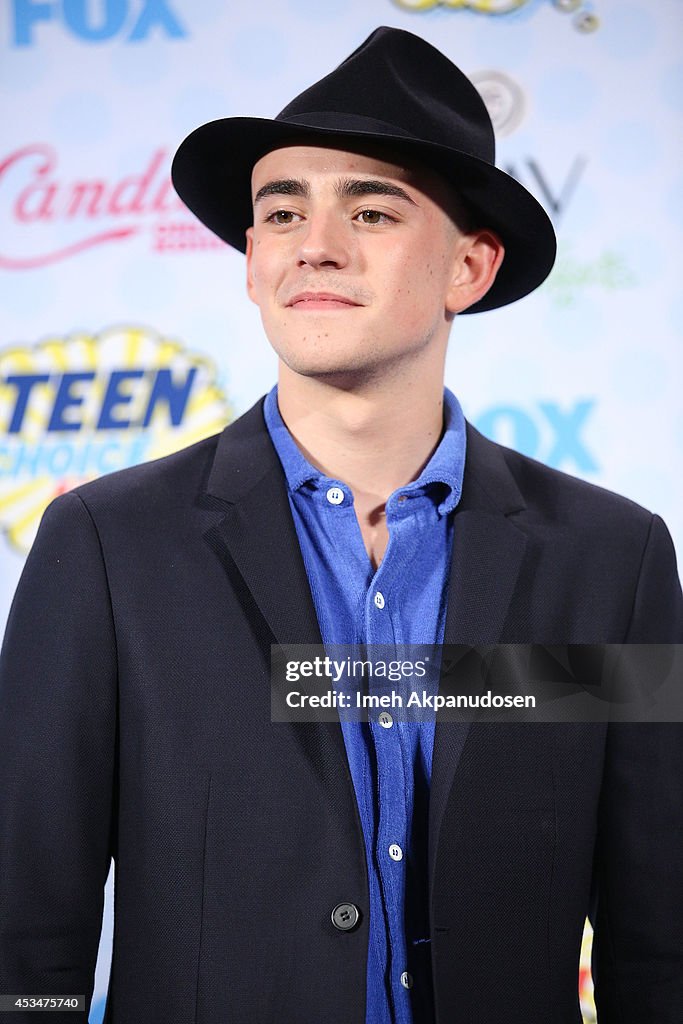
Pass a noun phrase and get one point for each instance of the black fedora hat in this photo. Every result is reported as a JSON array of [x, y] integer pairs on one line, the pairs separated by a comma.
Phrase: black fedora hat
[[399, 91]]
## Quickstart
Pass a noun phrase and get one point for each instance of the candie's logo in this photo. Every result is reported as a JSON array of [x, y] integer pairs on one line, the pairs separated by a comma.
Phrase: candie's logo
[[48, 217], [74, 408], [585, 20]]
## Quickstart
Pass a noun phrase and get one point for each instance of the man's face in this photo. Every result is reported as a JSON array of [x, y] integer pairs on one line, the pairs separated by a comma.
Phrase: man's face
[[351, 259]]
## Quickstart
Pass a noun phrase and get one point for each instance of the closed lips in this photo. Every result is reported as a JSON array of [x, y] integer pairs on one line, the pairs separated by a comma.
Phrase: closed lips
[[321, 299]]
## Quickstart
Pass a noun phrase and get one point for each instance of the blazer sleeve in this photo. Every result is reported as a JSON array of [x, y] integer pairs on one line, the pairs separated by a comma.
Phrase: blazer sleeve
[[58, 687], [638, 918]]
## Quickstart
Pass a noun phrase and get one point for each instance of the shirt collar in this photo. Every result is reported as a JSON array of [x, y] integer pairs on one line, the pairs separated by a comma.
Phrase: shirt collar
[[446, 465]]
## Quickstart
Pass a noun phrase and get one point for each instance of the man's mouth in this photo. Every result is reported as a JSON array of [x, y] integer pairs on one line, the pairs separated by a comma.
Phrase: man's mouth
[[321, 301]]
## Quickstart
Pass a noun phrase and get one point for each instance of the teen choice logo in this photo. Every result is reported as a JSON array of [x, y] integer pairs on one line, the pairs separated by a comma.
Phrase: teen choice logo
[[74, 408]]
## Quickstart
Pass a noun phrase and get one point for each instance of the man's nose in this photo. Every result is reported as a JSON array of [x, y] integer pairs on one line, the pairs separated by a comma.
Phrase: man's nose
[[324, 242]]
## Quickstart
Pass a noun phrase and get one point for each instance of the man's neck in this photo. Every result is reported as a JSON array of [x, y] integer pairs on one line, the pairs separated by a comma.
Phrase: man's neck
[[375, 438]]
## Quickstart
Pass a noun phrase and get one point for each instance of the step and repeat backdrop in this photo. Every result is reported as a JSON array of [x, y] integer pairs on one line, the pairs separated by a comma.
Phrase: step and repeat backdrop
[[125, 331]]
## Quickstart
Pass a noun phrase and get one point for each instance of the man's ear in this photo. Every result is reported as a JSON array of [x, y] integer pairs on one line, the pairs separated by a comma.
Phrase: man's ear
[[249, 254], [480, 254]]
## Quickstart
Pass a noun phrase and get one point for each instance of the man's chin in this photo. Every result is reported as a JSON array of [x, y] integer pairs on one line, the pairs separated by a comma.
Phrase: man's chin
[[341, 373]]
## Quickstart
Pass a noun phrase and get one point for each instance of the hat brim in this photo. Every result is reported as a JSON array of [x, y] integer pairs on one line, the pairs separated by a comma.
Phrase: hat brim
[[212, 169]]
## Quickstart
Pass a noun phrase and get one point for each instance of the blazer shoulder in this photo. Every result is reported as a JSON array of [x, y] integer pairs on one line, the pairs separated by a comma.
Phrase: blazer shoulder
[[549, 494], [591, 538], [176, 477]]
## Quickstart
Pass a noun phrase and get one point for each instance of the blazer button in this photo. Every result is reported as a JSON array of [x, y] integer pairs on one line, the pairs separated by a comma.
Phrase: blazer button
[[345, 916]]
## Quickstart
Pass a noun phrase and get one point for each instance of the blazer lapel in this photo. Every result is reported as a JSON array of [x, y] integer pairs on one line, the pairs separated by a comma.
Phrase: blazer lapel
[[488, 551], [257, 542], [257, 532]]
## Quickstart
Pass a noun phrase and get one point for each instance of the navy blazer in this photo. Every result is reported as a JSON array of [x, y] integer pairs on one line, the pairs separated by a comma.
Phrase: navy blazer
[[135, 724]]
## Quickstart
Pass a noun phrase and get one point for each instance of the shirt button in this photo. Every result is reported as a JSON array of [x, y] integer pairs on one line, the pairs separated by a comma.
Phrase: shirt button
[[345, 916], [379, 599], [385, 720], [335, 495], [407, 980], [395, 852], [402, 498]]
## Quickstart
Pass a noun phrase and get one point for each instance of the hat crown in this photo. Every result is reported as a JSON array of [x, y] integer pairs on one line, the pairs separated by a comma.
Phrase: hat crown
[[403, 82]]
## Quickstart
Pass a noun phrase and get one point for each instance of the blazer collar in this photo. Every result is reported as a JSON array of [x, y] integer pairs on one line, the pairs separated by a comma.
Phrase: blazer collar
[[245, 454]]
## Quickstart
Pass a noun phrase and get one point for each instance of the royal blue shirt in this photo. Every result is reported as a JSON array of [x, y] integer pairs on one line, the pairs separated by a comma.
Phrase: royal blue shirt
[[402, 602]]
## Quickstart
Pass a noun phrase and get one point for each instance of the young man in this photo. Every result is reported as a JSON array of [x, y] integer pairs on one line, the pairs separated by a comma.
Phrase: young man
[[355, 873]]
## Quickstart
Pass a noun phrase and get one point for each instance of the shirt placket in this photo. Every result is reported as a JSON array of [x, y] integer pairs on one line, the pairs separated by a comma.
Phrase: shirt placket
[[394, 805], [344, 535]]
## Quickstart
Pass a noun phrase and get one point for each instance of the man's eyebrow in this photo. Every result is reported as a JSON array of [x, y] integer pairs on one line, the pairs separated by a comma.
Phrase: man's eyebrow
[[284, 187], [348, 187], [345, 188]]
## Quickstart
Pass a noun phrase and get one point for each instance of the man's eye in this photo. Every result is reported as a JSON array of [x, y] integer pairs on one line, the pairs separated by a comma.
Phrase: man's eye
[[374, 217], [282, 217]]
